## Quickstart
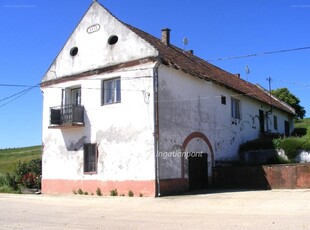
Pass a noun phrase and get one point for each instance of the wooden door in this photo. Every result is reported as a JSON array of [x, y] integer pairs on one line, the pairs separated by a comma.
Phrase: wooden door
[[198, 171], [261, 121]]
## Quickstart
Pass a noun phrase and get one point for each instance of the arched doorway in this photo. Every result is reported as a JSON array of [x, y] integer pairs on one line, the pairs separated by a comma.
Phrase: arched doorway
[[197, 166]]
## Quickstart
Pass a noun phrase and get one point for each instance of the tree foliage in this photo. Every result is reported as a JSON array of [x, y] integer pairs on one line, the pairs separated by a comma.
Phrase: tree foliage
[[285, 95]]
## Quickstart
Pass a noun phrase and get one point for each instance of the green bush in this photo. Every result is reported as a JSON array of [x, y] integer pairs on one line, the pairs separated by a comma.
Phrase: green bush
[[113, 192], [130, 193], [29, 173], [300, 139], [8, 184], [291, 145], [7, 189], [299, 132], [11, 181], [98, 192]]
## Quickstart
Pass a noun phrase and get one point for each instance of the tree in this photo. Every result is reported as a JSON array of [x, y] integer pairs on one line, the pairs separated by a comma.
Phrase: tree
[[285, 95]]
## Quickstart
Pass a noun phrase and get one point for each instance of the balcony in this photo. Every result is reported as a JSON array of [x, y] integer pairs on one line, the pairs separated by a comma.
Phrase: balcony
[[67, 116]]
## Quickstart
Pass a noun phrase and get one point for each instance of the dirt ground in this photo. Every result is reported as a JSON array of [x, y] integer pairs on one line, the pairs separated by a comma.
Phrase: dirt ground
[[276, 209]]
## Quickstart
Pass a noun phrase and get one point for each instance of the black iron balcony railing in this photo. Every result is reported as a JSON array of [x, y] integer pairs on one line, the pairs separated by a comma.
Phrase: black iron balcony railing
[[67, 115]]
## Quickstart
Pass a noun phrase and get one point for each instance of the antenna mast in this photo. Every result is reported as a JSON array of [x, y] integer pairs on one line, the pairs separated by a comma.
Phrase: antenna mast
[[269, 79], [247, 71], [185, 42]]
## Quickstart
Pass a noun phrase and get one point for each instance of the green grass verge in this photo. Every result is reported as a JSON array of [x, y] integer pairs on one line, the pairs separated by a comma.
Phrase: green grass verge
[[7, 189], [10, 157], [300, 139]]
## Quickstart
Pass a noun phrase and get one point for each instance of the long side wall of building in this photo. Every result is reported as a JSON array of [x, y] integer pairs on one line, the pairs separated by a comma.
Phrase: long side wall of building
[[195, 116]]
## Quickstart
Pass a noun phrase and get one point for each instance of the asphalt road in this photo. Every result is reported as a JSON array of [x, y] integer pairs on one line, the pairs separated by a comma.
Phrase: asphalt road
[[276, 209]]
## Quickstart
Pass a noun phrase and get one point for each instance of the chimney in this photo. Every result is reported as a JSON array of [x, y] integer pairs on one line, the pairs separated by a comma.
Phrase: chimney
[[165, 36], [237, 75]]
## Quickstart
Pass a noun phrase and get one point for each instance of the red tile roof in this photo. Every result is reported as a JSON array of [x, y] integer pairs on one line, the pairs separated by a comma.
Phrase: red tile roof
[[189, 63]]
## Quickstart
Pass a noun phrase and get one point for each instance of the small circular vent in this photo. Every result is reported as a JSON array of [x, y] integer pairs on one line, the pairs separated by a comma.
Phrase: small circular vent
[[112, 40], [74, 51]]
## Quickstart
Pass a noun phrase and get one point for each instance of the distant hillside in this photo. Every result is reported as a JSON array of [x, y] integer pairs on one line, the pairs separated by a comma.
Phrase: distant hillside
[[10, 157]]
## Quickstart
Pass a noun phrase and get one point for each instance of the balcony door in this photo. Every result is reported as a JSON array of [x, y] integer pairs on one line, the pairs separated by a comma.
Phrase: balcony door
[[72, 97], [71, 112], [71, 104]]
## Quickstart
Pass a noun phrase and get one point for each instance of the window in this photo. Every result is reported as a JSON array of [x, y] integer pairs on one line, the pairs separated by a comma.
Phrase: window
[[235, 108], [74, 51], [275, 122], [223, 100], [111, 91], [112, 40], [90, 158]]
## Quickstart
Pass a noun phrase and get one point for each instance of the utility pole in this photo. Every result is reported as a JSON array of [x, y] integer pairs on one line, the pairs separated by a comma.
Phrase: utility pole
[[269, 79]]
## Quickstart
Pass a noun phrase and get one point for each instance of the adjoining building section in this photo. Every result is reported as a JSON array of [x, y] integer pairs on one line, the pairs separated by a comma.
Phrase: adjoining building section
[[125, 110]]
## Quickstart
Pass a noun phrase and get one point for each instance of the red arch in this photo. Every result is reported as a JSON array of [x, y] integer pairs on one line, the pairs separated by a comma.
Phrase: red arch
[[191, 137]]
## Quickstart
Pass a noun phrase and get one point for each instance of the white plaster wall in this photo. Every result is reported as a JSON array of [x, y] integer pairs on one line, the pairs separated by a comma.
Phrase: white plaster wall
[[94, 50], [282, 117], [122, 131], [188, 104]]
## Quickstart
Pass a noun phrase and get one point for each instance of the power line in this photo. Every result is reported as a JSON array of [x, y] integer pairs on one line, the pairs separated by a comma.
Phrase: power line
[[15, 96], [14, 85], [259, 54]]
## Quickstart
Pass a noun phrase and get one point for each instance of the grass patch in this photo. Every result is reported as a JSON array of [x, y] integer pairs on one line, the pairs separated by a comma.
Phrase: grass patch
[[7, 189], [9, 158], [300, 139], [291, 145]]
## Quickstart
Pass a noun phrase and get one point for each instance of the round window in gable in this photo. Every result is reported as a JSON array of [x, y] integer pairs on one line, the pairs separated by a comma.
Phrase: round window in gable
[[112, 40], [74, 51]]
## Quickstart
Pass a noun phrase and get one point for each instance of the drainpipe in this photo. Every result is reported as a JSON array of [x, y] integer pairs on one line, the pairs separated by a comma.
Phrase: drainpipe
[[156, 126]]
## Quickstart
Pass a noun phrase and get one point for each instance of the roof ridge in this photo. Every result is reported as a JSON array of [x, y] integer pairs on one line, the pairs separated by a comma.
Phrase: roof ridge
[[196, 66]]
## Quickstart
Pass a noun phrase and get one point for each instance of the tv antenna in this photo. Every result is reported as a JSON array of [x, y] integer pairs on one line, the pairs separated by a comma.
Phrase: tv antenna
[[185, 42], [247, 71]]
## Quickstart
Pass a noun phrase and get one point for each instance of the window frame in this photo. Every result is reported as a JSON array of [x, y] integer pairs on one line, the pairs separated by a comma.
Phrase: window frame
[[235, 108], [116, 96], [86, 161], [223, 100]]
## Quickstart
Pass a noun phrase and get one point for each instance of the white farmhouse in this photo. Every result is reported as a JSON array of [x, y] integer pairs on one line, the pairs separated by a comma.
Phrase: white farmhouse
[[124, 110]]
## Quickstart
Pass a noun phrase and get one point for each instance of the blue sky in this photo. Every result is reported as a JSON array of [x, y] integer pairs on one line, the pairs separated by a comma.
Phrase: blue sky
[[34, 31]]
